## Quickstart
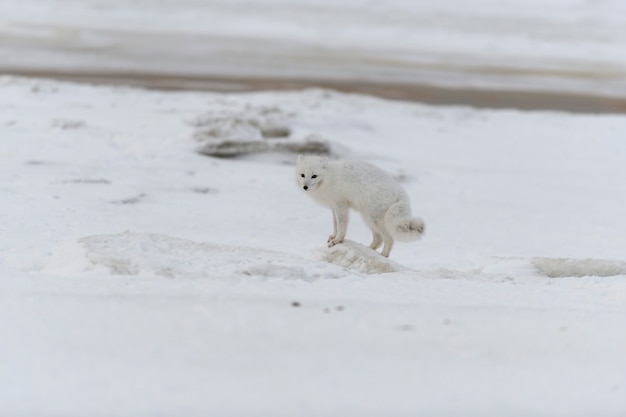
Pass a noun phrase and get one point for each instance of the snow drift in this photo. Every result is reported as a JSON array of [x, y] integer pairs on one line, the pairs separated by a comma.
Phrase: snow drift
[[152, 254], [359, 258], [563, 267]]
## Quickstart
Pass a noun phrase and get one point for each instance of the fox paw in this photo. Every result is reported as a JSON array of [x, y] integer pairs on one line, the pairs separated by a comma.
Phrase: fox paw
[[333, 242], [330, 238]]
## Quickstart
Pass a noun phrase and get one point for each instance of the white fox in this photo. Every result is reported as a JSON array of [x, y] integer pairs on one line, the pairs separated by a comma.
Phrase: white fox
[[344, 185]]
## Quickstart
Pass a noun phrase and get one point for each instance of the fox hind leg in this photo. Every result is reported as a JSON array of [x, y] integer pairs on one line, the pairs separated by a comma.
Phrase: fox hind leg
[[377, 237], [386, 237], [387, 247], [377, 240]]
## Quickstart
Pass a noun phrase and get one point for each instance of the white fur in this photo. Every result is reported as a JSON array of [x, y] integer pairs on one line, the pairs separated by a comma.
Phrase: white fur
[[344, 185]]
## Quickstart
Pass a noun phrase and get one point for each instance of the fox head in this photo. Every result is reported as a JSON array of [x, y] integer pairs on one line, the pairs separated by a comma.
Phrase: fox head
[[311, 172]]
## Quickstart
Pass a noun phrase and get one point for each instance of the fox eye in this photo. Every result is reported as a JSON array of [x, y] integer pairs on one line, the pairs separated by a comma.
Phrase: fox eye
[[313, 176], [302, 175]]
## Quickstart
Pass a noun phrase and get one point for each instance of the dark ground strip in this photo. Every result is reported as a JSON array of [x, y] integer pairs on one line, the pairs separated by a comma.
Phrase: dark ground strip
[[480, 98]]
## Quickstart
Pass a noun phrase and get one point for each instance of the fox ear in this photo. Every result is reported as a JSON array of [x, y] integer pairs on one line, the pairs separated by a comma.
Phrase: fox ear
[[300, 157], [325, 161]]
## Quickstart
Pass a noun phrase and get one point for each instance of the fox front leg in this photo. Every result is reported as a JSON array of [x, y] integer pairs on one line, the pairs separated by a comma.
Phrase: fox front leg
[[332, 237], [340, 220]]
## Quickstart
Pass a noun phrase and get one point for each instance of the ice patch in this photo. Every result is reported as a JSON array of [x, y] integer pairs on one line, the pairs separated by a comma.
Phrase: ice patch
[[563, 267], [359, 258], [149, 254]]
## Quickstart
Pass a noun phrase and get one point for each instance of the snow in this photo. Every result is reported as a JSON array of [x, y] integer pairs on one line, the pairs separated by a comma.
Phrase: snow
[[139, 277], [563, 46]]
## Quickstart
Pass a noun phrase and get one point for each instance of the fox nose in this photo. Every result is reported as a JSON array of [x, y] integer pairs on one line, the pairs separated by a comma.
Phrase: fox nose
[[306, 187]]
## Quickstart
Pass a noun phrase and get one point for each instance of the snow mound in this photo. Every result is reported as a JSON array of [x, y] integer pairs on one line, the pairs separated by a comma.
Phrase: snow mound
[[249, 130], [359, 258], [235, 148], [563, 267], [149, 254], [243, 122]]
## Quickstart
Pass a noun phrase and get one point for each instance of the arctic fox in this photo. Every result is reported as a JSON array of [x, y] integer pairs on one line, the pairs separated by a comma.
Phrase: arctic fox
[[344, 185]]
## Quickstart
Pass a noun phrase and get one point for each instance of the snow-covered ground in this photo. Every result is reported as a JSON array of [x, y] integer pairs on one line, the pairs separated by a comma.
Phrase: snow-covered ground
[[548, 45], [140, 278]]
